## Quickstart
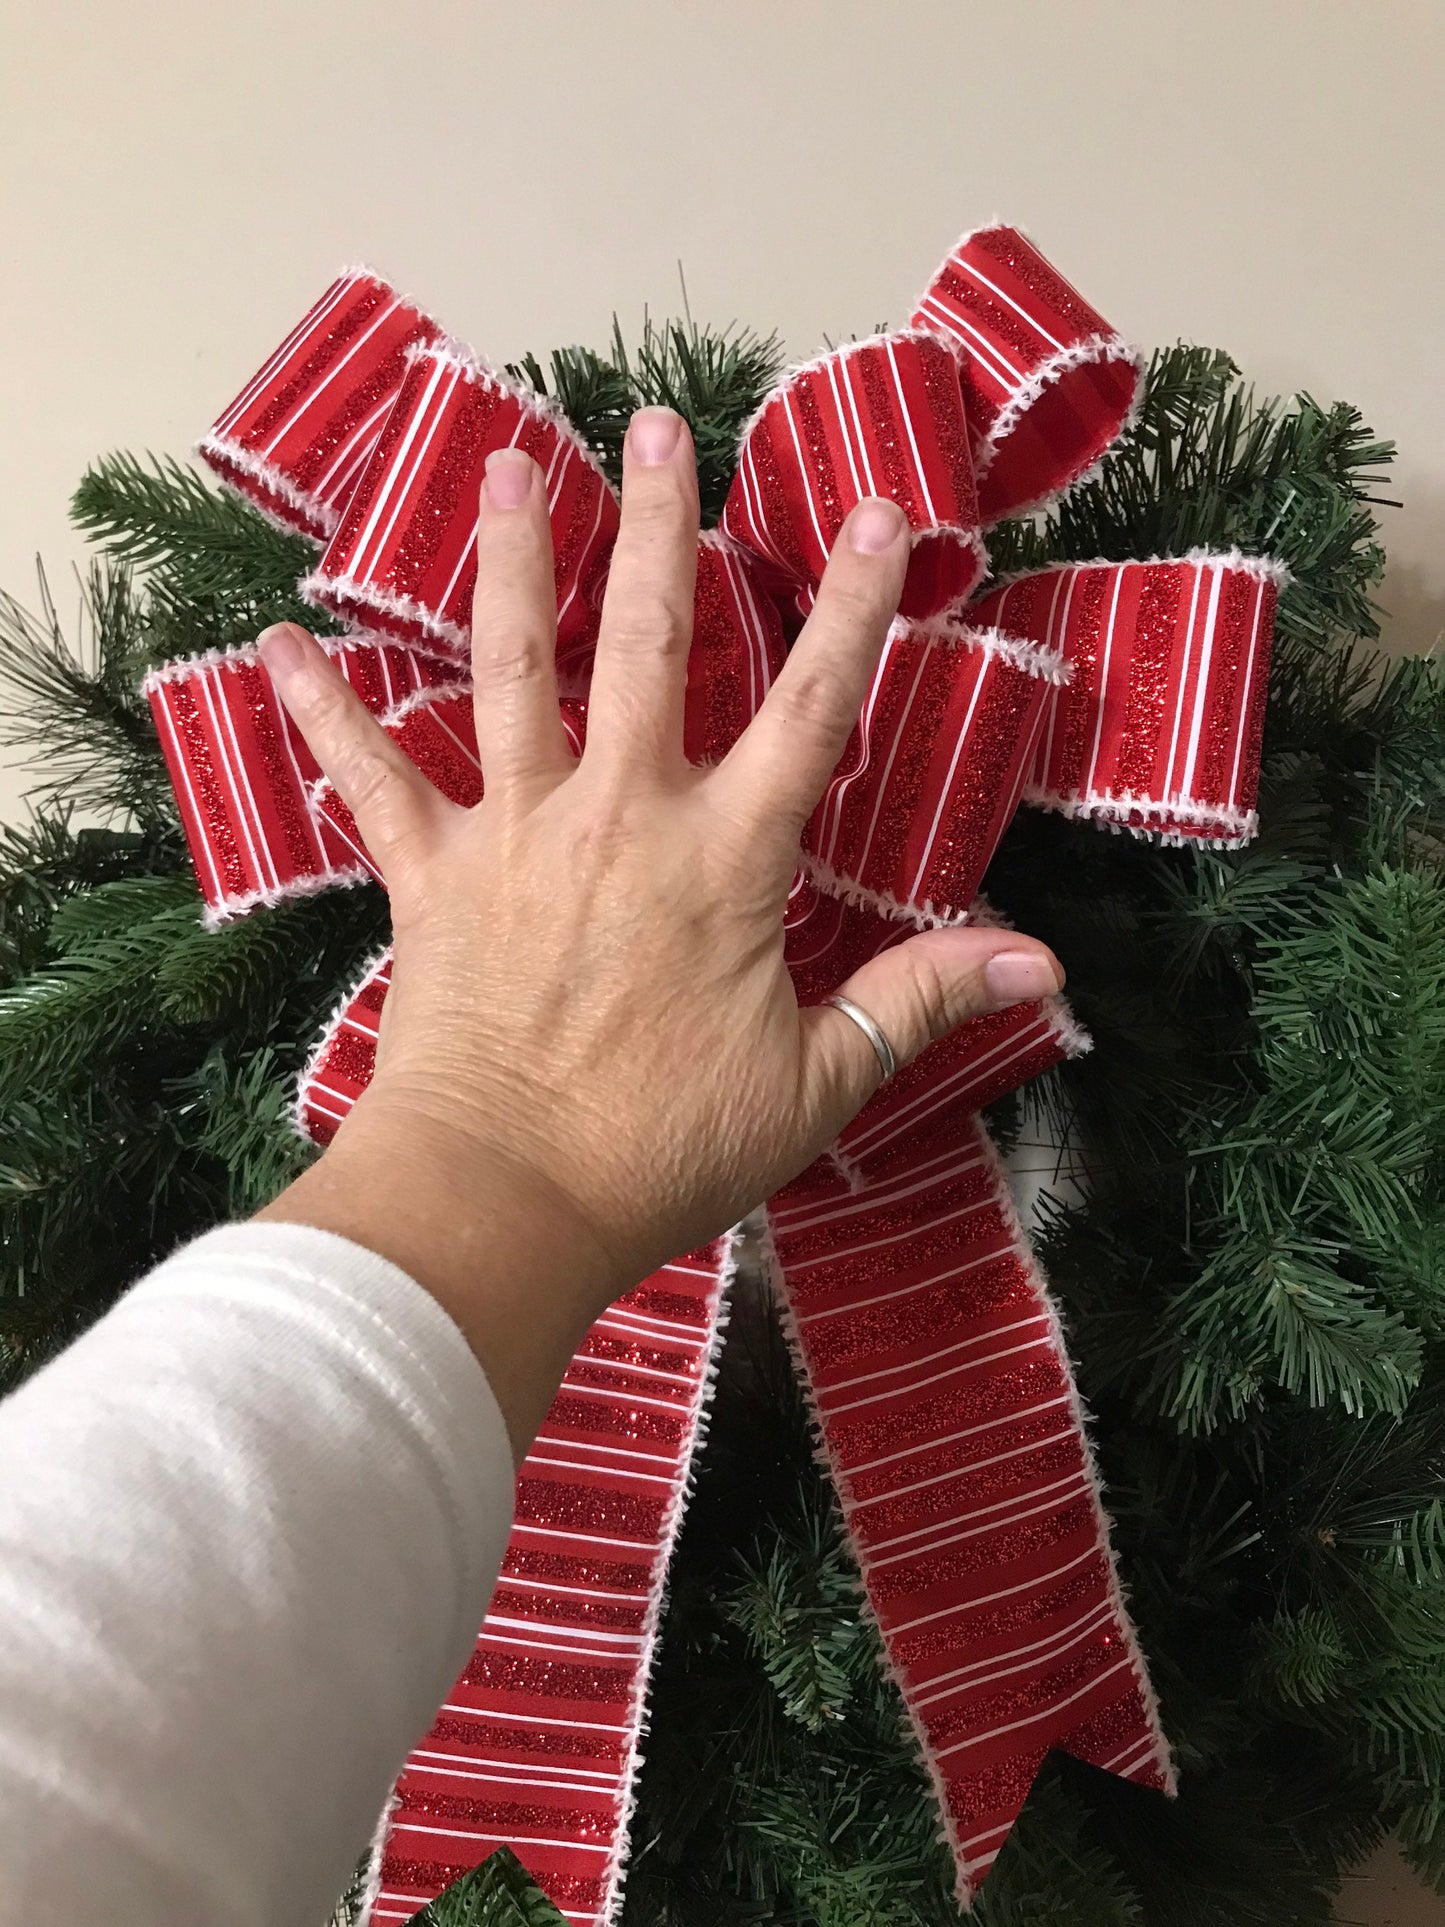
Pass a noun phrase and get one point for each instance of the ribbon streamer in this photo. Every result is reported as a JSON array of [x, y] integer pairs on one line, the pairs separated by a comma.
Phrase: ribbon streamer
[[1129, 692]]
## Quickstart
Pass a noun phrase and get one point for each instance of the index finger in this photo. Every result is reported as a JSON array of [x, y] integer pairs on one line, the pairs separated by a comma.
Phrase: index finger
[[777, 768]]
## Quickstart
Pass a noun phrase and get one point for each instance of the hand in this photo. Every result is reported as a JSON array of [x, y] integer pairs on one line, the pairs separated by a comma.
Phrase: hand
[[593, 1058]]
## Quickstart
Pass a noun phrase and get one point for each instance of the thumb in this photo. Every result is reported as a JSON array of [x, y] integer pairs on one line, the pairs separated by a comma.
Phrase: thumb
[[915, 994]]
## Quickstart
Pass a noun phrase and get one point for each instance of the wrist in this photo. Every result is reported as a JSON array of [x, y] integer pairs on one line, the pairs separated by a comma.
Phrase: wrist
[[502, 1248]]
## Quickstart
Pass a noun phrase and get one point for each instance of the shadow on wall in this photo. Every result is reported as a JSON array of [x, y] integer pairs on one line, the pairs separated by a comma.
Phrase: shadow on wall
[[1413, 592]]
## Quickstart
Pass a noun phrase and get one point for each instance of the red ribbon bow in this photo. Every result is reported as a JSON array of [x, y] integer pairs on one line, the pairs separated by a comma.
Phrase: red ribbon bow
[[1130, 692]]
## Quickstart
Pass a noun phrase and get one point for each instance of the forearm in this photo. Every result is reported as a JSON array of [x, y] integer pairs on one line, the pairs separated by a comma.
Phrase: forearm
[[248, 1528]]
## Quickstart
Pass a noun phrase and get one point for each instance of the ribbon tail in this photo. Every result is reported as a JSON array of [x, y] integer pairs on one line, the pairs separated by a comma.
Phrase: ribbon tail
[[947, 1413], [539, 1744]]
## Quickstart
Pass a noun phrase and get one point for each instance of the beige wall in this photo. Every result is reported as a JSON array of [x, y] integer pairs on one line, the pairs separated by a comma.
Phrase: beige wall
[[179, 180]]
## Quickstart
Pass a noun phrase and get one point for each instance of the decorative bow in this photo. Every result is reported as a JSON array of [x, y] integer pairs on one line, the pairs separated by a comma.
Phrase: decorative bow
[[1130, 692]]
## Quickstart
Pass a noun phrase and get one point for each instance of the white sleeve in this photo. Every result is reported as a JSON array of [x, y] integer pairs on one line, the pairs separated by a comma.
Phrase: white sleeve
[[249, 1524]]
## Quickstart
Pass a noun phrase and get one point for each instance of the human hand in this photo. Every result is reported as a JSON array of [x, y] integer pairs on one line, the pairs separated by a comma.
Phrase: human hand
[[593, 1056]]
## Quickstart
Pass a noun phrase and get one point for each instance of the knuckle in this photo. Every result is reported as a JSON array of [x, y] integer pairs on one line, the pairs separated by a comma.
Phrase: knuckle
[[519, 655], [597, 838], [814, 702], [654, 500], [365, 780], [932, 1003], [658, 625], [319, 707]]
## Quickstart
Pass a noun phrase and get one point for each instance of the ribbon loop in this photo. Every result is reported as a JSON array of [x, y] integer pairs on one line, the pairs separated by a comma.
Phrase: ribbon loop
[[244, 777], [933, 770], [299, 434], [878, 417], [403, 557], [1046, 382], [1159, 727]]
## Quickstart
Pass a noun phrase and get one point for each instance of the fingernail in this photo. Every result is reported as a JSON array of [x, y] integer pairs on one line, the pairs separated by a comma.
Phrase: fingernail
[[652, 436], [875, 525], [1020, 976], [509, 478], [282, 648]]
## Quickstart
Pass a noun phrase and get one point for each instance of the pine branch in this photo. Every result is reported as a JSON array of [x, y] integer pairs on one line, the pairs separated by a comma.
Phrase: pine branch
[[799, 1606], [241, 1114], [1420, 1828], [161, 515], [1303, 1659], [498, 1893], [714, 377], [216, 571], [107, 911], [64, 1020], [595, 395], [44, 863], [1283, 1313], [76, 709]]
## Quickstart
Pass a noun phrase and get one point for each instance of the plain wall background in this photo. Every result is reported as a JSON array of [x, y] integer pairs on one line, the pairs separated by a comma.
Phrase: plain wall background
[[179, 182]]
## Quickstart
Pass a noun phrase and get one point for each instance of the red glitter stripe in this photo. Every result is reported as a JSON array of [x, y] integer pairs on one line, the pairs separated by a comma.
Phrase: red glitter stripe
[[1153, 644], [341, 328], [885, 429], [1234, 619], [1006, 248], [1247, 787], [215, 835], [1074, 739], [589, 1508], [569, 1742], [550, 1679], [820, 479]]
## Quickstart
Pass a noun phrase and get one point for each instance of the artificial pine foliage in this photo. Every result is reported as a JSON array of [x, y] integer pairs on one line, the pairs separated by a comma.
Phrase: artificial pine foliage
[[497, 1894], [1253, 1268]]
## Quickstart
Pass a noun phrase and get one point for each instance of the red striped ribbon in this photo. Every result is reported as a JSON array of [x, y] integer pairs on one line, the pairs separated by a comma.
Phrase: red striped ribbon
[[1158, 727], [538, 1744], [1047, 383], [945, 1405], [934, 769], [298, 435], [403, 556], [880, 417], [1130, 692]]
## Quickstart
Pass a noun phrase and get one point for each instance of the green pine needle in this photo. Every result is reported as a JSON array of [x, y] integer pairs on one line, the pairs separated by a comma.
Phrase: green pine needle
[[498, 1893], [75, 708]]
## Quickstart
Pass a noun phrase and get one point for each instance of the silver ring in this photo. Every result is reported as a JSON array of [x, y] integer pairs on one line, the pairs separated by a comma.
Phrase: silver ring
[[881, 1046]]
